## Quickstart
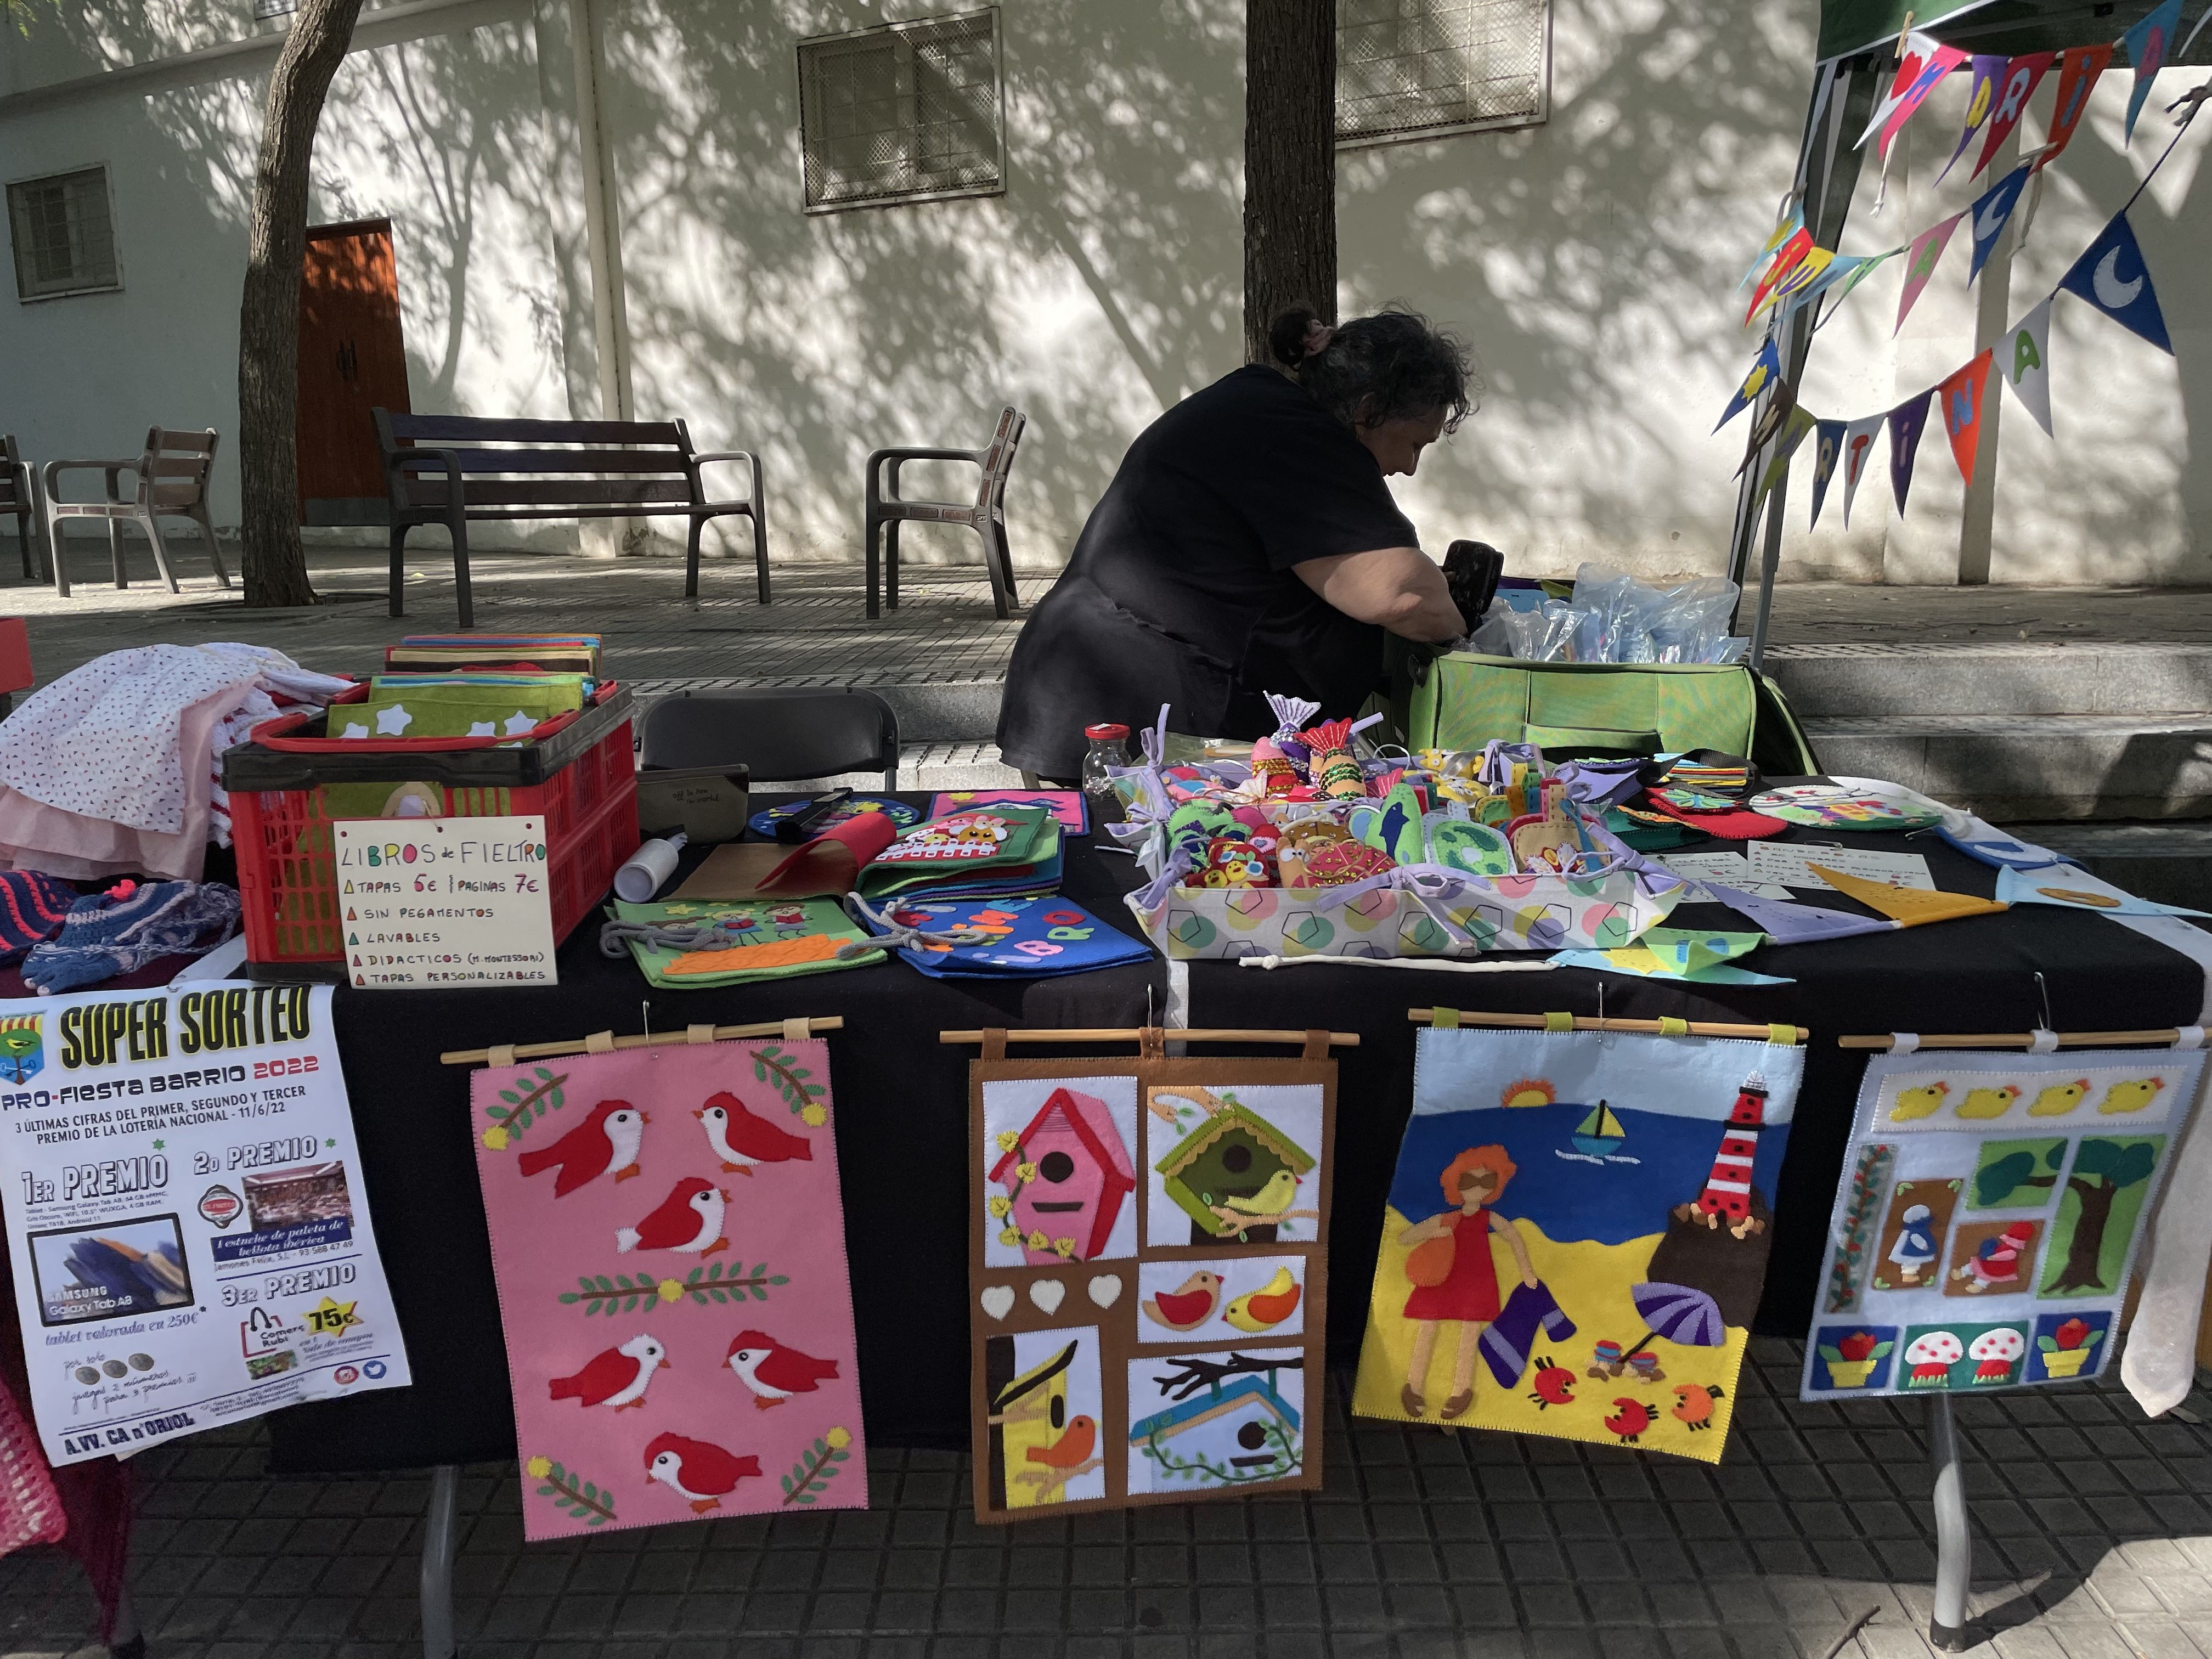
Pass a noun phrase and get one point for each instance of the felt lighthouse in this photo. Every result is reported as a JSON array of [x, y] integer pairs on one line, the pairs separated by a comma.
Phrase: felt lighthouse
[[1727, 1198]]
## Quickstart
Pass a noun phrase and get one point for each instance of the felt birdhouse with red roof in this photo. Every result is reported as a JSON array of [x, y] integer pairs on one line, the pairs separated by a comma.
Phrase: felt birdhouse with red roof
[[1067, 1176]]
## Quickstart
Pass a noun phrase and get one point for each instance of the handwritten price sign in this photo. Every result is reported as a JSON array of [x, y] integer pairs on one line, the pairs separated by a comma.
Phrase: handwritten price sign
[[437, 902]]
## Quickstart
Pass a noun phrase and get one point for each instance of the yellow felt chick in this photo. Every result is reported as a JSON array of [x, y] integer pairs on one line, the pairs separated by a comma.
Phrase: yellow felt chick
[[1273, 1199], [1919, 1103], [1265, 1308], [2130, 1096], [2059, 1098], [1988, 1103]]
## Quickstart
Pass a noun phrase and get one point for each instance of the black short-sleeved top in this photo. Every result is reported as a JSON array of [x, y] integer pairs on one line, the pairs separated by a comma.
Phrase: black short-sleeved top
[[1182, 588]]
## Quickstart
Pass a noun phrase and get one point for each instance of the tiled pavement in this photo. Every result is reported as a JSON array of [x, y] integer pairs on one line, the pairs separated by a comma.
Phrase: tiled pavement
[[2093, 1541]]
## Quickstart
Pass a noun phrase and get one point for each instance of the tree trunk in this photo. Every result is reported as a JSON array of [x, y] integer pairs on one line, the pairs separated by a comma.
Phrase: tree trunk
[[2080, 1271], [275, 565], [1290, 163]]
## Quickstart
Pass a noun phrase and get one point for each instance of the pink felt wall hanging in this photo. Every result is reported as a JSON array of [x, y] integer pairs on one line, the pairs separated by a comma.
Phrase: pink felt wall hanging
[[669, 1244]]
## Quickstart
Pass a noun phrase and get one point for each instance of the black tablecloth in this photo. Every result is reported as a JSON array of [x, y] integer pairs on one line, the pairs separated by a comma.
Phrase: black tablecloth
[[902, 1116]]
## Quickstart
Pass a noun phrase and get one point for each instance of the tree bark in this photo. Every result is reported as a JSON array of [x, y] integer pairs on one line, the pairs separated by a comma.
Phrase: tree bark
[[2080, 1271], [1290, 163], [275, 565]]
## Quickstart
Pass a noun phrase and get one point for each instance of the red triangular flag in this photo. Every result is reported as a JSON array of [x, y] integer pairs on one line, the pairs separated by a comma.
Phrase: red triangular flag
[[1960, 400]]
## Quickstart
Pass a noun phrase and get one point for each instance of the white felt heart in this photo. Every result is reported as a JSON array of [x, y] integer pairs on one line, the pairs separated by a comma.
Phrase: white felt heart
[[1047, 1293], [1105, 1290], [998, 1300]]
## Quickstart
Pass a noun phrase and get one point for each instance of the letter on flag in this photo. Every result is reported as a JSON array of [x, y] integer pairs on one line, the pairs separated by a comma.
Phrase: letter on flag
[[1923, 65], [1990, 210], [1960, 397], [1987, 69], [2112, 277], [1827, 451], [2078, 69], [1906, 422], [2149, 43], [1793, 247], [1921, 259], [2025, 358], [1858, 450], [1802, 275], [1767, 368], [2021, 77]]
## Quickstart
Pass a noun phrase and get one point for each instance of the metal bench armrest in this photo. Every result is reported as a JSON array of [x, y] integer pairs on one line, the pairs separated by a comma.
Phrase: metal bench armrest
[[446, 461], [877, 491], [752, 467]]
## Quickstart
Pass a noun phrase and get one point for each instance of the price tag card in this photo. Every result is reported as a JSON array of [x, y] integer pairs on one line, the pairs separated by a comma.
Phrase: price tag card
[[1787, 865], [1731, 868], [437, 902]]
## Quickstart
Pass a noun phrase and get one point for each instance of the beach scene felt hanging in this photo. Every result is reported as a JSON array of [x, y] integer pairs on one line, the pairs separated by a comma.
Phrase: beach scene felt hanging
[[1578, 1234], [1989, 1217], [668, 1242]]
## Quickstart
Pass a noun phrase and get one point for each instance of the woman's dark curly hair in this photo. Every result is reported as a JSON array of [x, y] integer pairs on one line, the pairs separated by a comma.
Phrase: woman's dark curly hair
[[1378, 368]]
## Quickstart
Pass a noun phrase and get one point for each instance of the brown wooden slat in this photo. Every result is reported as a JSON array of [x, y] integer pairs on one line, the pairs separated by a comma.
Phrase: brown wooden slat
[[469, 428], [180, 467], [551, 493], [175, 494], [562, 461], [197, 443]]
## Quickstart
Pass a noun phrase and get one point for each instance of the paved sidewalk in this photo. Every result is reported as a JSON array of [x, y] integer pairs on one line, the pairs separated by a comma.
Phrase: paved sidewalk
[[2093, 1541]]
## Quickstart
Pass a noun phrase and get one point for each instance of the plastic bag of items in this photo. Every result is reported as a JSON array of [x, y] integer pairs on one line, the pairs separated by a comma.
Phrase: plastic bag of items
[[1615, 618]]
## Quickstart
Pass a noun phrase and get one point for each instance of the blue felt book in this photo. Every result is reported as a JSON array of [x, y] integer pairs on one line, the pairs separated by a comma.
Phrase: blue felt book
[[1030, 938]]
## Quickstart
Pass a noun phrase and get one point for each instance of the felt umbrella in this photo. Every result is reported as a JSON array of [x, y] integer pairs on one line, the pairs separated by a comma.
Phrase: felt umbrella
[[1676, 1313]]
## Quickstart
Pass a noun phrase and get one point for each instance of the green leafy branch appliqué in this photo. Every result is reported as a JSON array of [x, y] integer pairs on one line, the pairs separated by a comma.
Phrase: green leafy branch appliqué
[[711, 1283], [817, 1467], [1869, 1183], [782, 1073], [571, 1494], [524, 1105], [1288, 1457], [622, 1293]]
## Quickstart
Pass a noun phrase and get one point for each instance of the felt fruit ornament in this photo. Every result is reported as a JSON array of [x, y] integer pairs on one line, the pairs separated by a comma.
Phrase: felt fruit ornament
[[1334, 769], [1340, 863]]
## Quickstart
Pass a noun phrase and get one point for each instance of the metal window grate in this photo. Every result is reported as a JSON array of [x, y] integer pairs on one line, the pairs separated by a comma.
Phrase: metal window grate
[[65, 240], [909, 111], [1411, 68], [265, 10]]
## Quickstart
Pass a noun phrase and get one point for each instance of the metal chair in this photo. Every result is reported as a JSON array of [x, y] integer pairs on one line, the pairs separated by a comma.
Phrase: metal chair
[[172, 481], [987, 516], [780, 734], [19, 494]]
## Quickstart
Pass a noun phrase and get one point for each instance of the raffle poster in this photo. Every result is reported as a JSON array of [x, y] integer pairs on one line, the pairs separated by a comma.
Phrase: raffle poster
[[191, 1243]]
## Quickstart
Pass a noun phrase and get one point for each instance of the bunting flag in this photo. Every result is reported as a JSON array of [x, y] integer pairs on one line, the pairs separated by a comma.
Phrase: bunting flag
[[1795, 246], [2021, 77], [1793, 434], [1767, 367], [1921, 258], [2078, 69], [1987, 69], [1858, 449], [1861, 270], [1990, 210], [2113, 277], [1960, 397], [1787, 226], [1769, 421], [1924, 64], [2149, 43], [1827, 450], [2024, 355], [1802, 276], [1906, 422], [1908, 907]]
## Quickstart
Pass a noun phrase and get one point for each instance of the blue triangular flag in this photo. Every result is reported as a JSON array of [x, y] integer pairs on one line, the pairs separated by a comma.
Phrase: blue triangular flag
[[2113, 277], [2148, 45], [1990, 210], [1827, 450], [1906, 422], [1787, 922], [1766, 370]]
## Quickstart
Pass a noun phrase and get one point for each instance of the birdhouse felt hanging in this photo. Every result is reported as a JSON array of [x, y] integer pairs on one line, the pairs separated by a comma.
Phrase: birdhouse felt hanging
[[1147, 1279], [1990, 1215], [1576, 1234], [669, 1246]]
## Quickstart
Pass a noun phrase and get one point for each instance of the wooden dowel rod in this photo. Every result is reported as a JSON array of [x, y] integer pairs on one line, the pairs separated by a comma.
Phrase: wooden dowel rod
[[1649, 1027], [2023, 1040], [1131, 1034], [547, 1050]]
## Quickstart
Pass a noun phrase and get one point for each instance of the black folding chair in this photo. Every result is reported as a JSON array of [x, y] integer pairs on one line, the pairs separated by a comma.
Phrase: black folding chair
[[780, 734]]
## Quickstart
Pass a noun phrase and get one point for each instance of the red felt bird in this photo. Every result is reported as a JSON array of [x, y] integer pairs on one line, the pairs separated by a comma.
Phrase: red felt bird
[[742, 1138], [700, 1473], [773, 1371], [606, 1139], [1073, 1447], [1187, 1307], [689, 1219], [617, 1377]]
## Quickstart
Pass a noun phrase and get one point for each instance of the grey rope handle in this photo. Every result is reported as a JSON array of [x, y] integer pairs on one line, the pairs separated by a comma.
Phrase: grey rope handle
[[616, 937], [892, 935]]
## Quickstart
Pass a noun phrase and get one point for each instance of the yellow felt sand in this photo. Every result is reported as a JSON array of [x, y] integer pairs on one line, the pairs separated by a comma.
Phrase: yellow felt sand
[[1909, 906], [1592, 1282]]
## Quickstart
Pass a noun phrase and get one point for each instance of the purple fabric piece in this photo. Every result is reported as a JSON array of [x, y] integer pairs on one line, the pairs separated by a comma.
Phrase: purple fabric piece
[[1508, 1339], [1787, 922]]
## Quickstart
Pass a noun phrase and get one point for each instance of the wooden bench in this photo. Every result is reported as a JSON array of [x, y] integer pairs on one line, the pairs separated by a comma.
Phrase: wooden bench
[[449, 469]]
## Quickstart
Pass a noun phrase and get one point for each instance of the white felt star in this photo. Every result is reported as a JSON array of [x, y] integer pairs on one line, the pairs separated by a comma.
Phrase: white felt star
[[354, 729], [518, 723], [482, 729], [392, 721]]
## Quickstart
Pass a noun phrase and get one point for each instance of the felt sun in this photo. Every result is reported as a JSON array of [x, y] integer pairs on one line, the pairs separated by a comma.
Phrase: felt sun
[[1529, 1092]]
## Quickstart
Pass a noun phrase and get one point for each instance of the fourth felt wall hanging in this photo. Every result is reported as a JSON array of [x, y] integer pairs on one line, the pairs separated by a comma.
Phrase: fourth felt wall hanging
[[1578, 1234], [1989, 1216], [1147, 1279], [669, 1244]]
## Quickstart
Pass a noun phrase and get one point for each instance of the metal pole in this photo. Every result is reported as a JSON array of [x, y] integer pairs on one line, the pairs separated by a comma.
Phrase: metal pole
[[1954, 1544], [441, 1537]]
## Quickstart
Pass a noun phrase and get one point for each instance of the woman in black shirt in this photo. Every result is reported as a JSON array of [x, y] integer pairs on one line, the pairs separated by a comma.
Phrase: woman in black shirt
[[1248, 545]]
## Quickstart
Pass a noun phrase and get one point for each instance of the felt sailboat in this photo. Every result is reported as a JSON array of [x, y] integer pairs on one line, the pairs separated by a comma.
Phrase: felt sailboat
[[1908, 907], [1600, 1132]]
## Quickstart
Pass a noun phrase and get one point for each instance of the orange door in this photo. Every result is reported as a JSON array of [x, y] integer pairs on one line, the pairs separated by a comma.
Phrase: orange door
[[352, 360]]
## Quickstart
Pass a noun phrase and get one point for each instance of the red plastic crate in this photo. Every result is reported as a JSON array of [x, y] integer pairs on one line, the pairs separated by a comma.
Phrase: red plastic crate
[[288, 878]]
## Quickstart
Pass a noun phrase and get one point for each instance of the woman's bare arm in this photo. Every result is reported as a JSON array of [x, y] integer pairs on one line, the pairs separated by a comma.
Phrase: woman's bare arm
[[1401, 588]]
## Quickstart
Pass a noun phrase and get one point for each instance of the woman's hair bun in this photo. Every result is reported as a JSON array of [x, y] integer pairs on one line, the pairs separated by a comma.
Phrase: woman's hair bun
[[1286, 336]]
